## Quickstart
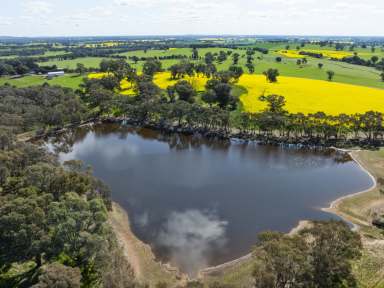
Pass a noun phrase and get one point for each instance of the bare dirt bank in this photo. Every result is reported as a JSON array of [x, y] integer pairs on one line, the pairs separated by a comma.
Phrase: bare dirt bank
[[140, 256]]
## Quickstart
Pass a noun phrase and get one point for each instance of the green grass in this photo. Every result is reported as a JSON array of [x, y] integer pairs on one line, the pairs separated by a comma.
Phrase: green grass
[[55, 53], [344, 73], [237, 276], [89, 62], [70, 80]]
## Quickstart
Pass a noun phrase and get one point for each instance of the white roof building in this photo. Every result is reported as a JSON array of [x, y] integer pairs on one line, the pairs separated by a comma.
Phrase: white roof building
[[56, 73]]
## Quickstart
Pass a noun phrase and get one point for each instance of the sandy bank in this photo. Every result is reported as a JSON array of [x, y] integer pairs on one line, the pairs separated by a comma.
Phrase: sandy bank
[[140, 256]]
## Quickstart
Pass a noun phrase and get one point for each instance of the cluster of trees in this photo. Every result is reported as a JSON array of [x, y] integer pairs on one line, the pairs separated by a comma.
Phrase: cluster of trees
[[271, 75], [218, 90], [23, 52], [312, 54], [318, 257], [21, 66], [183, 68], [207, 69], [373, 62], [25, 109], [18, 66], [167, 57], [261, 50], [53, 222]]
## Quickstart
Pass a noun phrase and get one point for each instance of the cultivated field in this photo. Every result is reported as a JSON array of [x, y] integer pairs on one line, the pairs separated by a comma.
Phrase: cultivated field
[[89, 62], [311, 96], [70, 80]]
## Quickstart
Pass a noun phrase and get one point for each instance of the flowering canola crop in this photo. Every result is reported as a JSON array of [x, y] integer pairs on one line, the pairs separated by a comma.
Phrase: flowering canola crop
[[311, 96], [163, 80], [97, 75], [326, 53]]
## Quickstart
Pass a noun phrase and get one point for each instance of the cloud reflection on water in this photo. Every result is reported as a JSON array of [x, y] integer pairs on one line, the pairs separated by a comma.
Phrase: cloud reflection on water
[[190, 236]]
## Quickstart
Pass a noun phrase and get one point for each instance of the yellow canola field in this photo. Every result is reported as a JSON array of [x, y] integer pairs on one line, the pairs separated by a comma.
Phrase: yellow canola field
[[290, 53], [163, 80], [97, 75], [326, 53], [311, 96]]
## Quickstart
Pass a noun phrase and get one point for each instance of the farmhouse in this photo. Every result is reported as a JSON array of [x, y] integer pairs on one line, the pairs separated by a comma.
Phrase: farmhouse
[[55, 73]]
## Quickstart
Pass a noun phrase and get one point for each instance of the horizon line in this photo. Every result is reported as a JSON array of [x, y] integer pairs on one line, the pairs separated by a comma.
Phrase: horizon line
[[196, 35]]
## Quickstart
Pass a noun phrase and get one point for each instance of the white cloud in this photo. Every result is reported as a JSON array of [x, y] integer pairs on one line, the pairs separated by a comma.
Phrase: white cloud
[[143, 3], [5, 21], [100, 11], [102, 17], [37, 7]]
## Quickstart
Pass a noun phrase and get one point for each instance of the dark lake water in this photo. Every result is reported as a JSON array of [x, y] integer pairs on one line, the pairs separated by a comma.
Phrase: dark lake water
[[202, 202]]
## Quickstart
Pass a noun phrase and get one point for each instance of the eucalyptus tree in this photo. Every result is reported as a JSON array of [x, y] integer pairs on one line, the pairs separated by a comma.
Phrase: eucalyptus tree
[[271, 75], [235, 58], [374, 59], [330, 75], [145, 89], [195, 53], [251, 68], [222, 57], [185, 91], [236, 71], [80, 68], [219, 92], [275, 103], [209, 58], [151, 66]]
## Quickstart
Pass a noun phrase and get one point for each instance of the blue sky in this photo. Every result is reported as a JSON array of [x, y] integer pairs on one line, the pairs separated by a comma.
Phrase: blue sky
[[172, 17]]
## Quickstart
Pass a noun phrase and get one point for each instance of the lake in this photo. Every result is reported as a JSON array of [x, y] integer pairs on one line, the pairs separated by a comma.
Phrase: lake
[[201, 202]]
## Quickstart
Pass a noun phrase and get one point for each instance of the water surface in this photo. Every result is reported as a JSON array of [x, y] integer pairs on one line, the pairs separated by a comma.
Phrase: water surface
[[202, 202]]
